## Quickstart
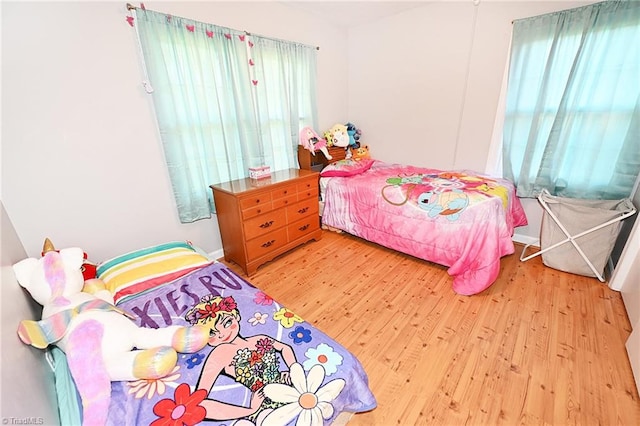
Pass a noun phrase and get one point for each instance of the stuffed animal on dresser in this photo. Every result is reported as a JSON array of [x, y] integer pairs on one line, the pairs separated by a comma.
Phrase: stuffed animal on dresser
[[310, 141], [101, 342]]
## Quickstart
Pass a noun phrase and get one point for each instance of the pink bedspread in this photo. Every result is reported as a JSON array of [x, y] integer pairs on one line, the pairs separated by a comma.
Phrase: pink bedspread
[[460, 219]]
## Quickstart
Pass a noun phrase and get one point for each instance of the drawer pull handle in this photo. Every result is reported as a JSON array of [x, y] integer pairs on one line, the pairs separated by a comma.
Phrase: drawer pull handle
[[257, 201], [266, 224], [303, 210], [259, 210], [268, 243], [303, 228]]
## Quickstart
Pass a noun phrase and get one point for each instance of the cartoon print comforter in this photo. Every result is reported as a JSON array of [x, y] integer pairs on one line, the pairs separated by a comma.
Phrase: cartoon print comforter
[[460, 219], [263, 364]]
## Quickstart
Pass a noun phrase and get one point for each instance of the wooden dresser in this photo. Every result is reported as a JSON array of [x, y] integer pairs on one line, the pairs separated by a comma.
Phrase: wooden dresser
[[261, 219]]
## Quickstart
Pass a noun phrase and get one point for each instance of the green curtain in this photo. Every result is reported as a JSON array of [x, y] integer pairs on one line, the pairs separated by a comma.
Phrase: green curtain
[[224, 102], [285, 101], [572, 122]]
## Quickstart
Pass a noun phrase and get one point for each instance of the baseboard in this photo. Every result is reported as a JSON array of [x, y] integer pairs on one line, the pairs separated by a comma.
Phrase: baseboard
[[526, 240], [522, 239], [216, 255]]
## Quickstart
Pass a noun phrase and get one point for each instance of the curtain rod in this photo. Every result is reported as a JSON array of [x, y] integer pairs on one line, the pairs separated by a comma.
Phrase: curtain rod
[[571, 9], [132, 7]]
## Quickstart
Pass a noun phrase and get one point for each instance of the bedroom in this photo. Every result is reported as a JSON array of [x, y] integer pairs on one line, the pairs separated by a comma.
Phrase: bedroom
[[75, 115]]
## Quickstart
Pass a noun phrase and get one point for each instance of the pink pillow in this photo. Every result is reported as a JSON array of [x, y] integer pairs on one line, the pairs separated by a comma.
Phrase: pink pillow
[[346, 168]]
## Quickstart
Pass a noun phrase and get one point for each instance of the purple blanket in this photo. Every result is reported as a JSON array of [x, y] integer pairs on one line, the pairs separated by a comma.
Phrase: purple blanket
[[265, 364]]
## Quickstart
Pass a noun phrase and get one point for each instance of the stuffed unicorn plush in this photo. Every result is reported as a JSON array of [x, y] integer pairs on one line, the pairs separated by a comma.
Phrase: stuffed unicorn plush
[[101, 342]]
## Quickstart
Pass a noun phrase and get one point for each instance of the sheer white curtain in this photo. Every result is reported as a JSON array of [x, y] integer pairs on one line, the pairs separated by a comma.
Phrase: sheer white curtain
[[572, 121], [224, 101], [283, 100]]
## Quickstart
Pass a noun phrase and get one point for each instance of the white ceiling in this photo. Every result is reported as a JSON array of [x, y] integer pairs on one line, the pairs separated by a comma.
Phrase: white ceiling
[[349, 13]]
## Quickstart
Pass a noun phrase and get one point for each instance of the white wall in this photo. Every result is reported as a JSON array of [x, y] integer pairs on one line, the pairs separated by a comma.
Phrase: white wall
[[424, 84], [22, 395], [81, 160]]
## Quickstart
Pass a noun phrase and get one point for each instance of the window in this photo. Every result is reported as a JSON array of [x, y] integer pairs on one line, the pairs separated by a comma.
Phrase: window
[[572, 115], [224, 101]]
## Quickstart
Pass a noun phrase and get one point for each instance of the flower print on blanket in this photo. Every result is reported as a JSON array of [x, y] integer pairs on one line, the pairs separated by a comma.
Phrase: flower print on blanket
[[254, 342], [307, 399]]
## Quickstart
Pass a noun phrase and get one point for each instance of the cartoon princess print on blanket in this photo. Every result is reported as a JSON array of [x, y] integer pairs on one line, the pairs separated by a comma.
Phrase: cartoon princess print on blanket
[[445, 194], [251, 361], [262, 364]]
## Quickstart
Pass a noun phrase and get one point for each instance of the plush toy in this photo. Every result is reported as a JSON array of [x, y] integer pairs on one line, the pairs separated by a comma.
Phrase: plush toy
[[89, 269], [360, 153], [328, 137], [340, 135], [101, 342], [310, 140], [354, 135]]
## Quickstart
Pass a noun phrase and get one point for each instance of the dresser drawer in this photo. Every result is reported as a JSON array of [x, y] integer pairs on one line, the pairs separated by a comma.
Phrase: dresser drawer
[[308, 185], [284, 191], [285, 201], [302, 227], [308, 189], [261, 199], [302, 209], [309, 193], [263, 224], [265, 244], [257, 210]]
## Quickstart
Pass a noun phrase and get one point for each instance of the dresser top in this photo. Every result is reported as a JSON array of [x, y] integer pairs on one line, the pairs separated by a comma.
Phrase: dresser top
[[246, 184]]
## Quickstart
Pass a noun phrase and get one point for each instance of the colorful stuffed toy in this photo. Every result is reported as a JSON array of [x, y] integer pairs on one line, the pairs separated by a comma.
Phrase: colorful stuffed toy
[[101, 342], [340, 135], [328, 137], [310, 141], [360, 153], [89, 269], [354, 135]]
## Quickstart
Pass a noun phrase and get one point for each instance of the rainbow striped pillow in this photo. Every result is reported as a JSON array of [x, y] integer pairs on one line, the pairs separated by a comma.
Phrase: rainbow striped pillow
[[140, 270]]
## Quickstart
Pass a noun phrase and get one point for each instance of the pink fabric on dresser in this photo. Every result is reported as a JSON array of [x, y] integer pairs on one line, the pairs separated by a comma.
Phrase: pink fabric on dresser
[[460, 219]]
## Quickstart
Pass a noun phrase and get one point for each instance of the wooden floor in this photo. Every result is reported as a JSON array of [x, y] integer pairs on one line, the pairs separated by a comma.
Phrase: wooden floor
[[539, 347]]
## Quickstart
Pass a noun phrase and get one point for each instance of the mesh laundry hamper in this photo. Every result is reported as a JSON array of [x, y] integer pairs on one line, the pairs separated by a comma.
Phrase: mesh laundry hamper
[[578, 236]]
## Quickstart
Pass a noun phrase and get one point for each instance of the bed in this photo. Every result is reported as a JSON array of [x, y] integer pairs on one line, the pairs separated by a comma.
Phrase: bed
[[460, 219], [317, 381]]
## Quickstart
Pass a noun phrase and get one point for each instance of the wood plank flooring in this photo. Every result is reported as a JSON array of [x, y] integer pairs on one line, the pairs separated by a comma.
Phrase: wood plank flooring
[[539, 347]]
